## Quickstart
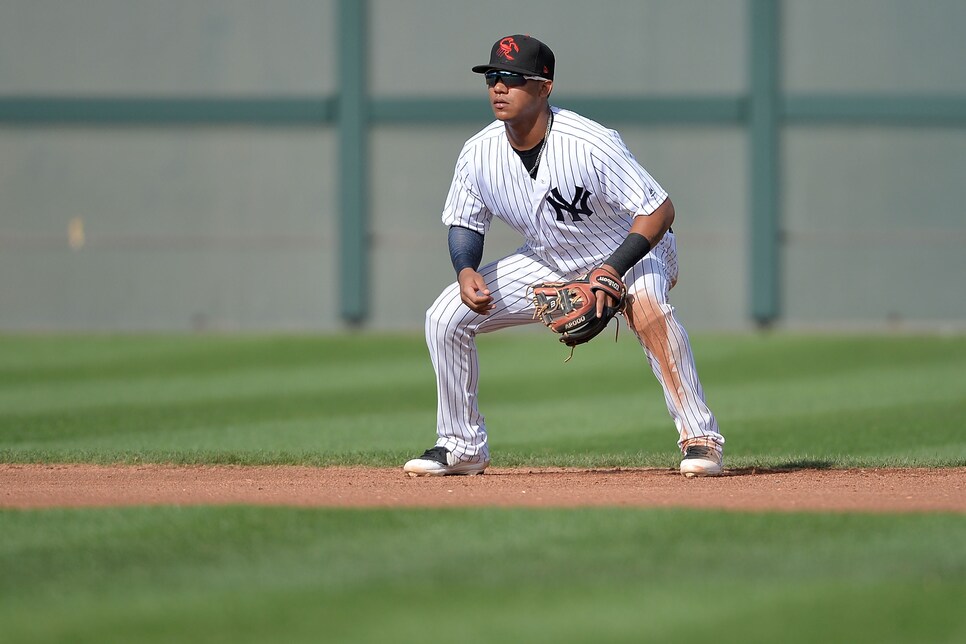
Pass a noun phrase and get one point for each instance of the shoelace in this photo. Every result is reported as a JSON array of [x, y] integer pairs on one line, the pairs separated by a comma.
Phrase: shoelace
[[700, 451]]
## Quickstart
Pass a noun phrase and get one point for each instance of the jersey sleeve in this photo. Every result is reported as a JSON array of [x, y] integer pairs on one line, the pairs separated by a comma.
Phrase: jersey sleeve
[[464, 206], [624, 183]]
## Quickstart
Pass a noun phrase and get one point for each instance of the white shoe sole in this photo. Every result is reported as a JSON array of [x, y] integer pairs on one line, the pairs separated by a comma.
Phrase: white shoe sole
[[693, 467], [423, 467]]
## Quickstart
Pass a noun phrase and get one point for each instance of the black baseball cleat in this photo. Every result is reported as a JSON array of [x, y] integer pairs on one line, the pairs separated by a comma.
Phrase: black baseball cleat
[[439, 461], [701, 460]]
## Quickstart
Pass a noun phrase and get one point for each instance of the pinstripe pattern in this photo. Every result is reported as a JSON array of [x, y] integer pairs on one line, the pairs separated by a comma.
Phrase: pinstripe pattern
[[666, 344], [490, 180]]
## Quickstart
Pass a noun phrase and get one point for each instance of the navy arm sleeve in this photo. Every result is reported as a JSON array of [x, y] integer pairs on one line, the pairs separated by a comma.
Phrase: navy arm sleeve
[[465, 248]]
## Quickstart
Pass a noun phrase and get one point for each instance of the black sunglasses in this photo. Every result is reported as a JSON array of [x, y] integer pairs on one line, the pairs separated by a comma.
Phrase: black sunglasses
[[510, 79]]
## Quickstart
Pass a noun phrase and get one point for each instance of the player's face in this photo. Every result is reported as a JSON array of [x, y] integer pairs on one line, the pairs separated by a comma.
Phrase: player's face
[[519, 102]]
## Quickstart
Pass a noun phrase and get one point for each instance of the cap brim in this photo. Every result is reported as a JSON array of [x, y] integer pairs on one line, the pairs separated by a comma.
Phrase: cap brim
[[482, 69]]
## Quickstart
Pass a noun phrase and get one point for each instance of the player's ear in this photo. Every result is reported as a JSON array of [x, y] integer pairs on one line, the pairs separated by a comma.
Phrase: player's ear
[[546, 89]]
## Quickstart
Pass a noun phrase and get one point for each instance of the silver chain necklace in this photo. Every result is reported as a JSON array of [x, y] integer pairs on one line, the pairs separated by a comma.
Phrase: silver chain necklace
[[543, 146]]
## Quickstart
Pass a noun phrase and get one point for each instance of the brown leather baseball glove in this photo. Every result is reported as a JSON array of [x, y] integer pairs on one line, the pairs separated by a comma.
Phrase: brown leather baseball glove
[[570, 308]]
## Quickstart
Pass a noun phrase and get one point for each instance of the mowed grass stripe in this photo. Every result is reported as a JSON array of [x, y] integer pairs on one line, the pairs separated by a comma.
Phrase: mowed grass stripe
[[269, 574], [834, 400]]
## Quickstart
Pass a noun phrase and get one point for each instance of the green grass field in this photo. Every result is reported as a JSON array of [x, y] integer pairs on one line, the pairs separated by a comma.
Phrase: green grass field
[[249, 574]]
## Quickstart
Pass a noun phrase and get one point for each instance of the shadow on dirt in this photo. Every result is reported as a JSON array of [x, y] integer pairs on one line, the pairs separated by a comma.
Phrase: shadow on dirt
[[783, 468]]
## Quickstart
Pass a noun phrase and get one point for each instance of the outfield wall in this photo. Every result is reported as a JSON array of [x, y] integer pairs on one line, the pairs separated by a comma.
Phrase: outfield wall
[[141, 190]]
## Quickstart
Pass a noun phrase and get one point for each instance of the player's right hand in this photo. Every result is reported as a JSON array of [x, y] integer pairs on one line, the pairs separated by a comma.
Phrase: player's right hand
[[474, 292]]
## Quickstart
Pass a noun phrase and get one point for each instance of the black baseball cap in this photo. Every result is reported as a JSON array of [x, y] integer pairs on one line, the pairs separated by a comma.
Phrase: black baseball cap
[[522, 54]]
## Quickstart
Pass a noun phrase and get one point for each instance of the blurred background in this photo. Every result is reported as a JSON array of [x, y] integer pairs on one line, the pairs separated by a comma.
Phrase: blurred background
[[199, 165]]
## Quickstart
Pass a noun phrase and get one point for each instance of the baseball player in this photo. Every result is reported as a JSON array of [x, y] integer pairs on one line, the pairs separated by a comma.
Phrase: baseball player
[[580, 200]]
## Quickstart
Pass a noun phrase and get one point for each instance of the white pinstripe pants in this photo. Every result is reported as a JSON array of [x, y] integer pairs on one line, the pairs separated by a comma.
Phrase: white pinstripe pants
[[451, 330]]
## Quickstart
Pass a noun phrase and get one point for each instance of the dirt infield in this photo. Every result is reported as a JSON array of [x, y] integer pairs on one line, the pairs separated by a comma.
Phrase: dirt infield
[[871, 490]]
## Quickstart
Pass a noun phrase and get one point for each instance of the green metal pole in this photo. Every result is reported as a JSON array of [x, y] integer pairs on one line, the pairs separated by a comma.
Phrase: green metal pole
[[764, 136], [353, 152]]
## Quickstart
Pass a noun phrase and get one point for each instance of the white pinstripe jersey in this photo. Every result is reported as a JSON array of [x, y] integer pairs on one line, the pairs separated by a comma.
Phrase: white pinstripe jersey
[[579, 207]]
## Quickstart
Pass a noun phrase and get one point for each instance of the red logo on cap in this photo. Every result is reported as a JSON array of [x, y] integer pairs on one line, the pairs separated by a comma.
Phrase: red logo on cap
[[507, 47]]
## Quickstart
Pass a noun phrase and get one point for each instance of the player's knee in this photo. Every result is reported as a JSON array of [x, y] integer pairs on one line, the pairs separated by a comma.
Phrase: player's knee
[[436, 317], [443, 316], [644, 311]]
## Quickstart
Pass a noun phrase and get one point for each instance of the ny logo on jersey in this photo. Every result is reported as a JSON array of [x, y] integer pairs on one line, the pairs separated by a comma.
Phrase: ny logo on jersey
[[581, 196]]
